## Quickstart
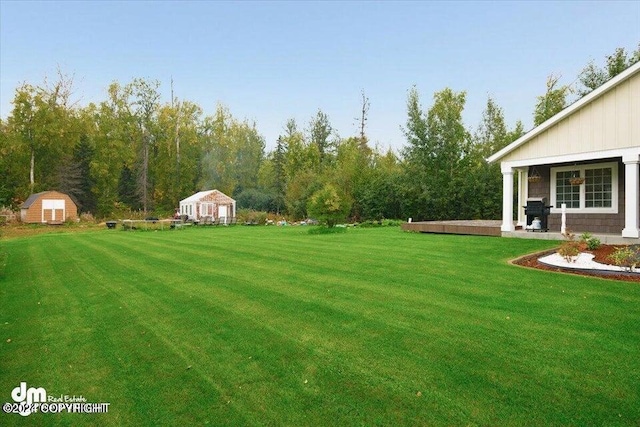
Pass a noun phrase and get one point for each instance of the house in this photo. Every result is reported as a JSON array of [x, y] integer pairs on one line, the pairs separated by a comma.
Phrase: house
[[597, 139], [209, 204], [49, 207]]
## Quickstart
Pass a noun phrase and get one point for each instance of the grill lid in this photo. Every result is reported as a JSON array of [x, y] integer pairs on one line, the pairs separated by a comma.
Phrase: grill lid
[[537, 200]]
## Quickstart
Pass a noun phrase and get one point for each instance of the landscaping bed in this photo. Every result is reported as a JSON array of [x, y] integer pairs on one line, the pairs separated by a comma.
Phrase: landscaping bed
[[601, 255]]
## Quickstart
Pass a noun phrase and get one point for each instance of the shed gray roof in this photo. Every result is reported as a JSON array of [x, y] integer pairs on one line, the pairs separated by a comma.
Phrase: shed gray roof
[[35, 196], [32, 198]]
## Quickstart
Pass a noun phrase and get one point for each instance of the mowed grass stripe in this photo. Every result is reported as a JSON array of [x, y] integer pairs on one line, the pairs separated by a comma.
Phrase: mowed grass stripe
[[313, 305], [253, 314], [338, 273], [363, 357], [113, 330], [192, 301], [169, 325], [59, 329]]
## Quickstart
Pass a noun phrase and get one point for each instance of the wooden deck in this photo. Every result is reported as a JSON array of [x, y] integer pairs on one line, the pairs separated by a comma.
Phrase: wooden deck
[[492, 228], [471, 227]]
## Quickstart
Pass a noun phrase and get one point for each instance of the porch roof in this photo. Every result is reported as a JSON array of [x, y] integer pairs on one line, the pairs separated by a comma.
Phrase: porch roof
[[208, 196], [596, 152]]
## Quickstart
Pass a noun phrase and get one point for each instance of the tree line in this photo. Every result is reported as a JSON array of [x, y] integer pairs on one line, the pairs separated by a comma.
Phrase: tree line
[[133, 152]]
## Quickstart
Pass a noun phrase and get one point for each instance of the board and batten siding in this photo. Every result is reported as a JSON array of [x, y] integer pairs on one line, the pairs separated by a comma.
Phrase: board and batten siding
[[608, 122]]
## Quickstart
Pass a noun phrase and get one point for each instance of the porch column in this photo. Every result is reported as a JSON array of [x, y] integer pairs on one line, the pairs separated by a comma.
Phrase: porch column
[[631, 188], [523, 193], [507, 199]]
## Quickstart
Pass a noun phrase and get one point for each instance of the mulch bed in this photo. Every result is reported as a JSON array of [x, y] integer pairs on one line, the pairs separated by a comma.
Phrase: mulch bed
[[601, 256]]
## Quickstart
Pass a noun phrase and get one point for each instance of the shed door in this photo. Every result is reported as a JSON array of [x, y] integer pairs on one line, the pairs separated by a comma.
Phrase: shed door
[[222, 211], [52, 210]]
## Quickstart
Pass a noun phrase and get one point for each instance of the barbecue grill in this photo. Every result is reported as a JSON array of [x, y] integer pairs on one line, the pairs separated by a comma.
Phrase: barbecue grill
[[537, 208]]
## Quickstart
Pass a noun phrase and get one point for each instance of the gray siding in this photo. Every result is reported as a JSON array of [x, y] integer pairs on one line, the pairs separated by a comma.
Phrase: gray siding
[[579, 223]]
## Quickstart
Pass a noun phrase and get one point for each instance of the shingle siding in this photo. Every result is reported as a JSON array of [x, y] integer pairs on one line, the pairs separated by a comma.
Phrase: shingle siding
[[581, 222]]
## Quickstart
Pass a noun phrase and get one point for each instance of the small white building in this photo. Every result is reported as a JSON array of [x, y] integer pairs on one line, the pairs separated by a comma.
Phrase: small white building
[[210, 204]]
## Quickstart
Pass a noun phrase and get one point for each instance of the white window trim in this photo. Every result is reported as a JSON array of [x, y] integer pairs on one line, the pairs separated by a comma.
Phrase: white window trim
[[582, 209]]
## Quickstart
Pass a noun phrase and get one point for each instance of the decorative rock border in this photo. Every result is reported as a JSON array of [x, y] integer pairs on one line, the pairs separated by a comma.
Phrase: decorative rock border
[[583, 261]]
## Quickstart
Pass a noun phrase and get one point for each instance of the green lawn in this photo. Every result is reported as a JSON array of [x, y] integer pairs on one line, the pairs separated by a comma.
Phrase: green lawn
[[274, 326]]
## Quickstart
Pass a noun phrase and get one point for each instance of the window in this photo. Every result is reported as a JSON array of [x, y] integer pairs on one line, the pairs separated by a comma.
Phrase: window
[[565, 191], [597, 194], [598, 188]]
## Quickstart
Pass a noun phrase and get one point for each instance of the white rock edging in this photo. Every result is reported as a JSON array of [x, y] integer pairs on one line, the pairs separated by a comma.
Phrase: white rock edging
[[583, 261]]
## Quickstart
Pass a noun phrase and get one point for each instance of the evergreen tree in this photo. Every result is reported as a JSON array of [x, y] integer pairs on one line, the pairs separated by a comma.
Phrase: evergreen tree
[[127, 188], [82, 156], [279, 183]]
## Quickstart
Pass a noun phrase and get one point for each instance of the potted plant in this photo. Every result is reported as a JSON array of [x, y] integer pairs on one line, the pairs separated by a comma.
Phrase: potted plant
[[534, 176], [576, 180]]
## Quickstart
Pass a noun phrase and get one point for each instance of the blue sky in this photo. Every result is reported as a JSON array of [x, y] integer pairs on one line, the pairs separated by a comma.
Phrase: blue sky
[[271, 61]]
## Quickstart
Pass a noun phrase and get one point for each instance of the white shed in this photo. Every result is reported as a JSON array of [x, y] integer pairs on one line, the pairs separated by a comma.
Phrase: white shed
[[210, 204]]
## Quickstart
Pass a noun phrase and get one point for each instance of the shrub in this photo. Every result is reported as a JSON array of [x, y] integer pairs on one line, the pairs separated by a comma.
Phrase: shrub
[[124, 212], [590, 242], [249, 216], [570, 249], [7, 216], [627, 257], [381, 223], [328, 205], [87, 217], [593, 243]]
